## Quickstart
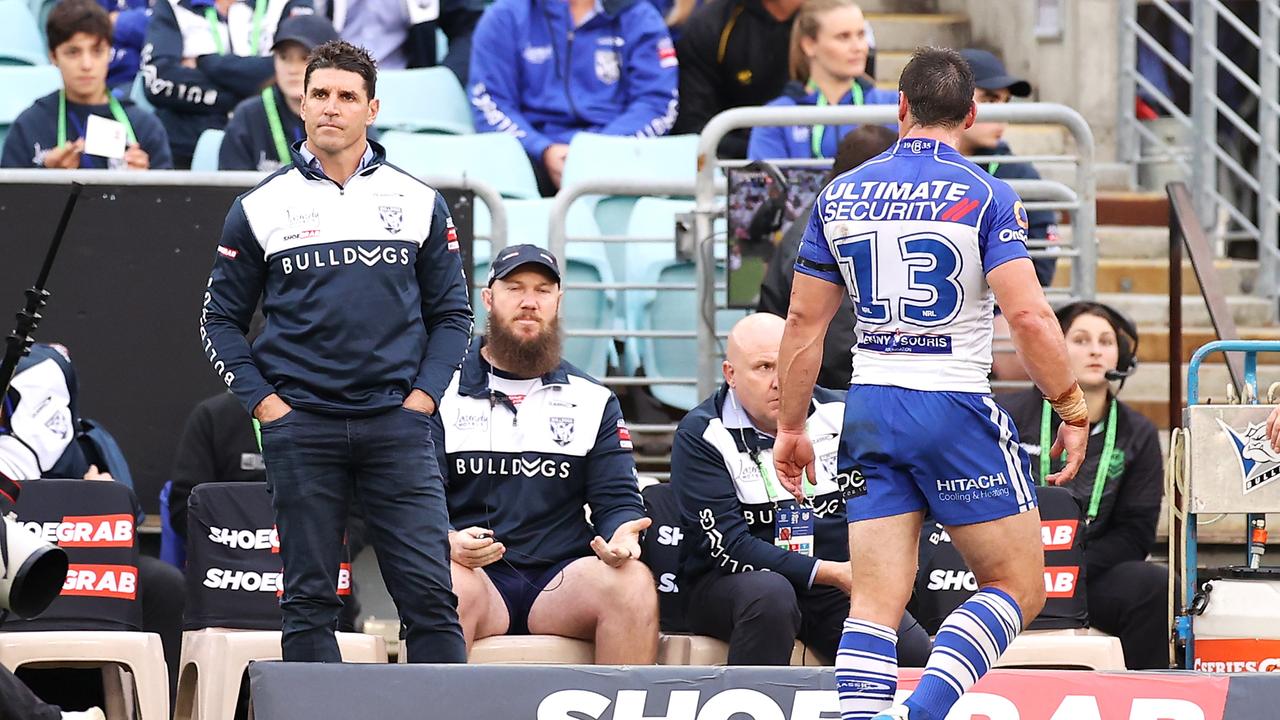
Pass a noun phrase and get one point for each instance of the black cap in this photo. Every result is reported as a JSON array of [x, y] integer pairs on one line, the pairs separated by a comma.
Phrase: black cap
[[989, 73], [515, 256], [309, 30]]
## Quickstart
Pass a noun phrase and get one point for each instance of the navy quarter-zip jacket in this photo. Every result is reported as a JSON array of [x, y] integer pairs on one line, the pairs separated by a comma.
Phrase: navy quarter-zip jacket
[[361, 286]]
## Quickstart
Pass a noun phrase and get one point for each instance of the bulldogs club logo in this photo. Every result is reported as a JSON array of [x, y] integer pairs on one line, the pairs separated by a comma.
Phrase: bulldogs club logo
[[1259, 464], [562, 430], [392, 217]]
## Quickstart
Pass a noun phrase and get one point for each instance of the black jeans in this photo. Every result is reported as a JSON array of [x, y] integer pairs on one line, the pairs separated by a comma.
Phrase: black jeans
[[761, 615], [315, 464], [17, 700], [1131, 601]]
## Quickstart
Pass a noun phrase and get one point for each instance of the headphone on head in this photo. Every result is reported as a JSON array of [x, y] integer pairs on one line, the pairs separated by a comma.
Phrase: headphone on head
[[1126, 334]]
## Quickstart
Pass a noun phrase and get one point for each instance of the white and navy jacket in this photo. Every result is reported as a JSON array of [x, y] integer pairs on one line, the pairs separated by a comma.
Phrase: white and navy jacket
[[361, 286], [190, 100], [525, 471], [726, 507]]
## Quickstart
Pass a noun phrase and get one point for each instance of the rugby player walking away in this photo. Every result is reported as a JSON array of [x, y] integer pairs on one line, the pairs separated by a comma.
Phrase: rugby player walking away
[[921, 238]]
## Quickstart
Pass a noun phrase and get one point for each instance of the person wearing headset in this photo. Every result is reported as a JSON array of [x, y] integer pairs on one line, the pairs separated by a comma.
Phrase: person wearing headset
[[828, 64], [1120, 484], [760, 571], [529, 440]]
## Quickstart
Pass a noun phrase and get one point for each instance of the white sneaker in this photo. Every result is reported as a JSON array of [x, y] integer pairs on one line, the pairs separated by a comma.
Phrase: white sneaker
[[897, 712], [90, 714]]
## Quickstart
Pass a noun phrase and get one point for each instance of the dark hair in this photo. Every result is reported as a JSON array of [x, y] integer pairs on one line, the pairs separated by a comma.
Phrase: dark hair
[[69, 17], [938, 85], [1124, 329], [859, 146], [342, 55]]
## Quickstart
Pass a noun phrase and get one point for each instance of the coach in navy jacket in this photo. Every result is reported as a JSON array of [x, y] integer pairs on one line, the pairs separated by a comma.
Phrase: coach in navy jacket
[[541, 76], [195, 76], [356, 264], [743, 586]]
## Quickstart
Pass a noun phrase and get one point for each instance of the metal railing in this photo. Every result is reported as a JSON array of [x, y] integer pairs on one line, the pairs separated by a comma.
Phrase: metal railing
[[1227, 149], [246, 179], [1081, 201]]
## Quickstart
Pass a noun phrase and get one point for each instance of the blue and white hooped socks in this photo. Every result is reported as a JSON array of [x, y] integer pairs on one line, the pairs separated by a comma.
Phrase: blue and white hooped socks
[[969, 642], [866, 669]]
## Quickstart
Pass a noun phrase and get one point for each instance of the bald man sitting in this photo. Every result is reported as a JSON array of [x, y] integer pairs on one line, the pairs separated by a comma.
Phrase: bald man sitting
[[761, 571]]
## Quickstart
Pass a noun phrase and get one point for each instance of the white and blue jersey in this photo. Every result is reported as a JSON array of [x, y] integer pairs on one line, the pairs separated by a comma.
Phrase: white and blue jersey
[[912, 234]]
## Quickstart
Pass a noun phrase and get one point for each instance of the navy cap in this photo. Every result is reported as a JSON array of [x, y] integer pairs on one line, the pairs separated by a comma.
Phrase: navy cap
[[309, 30], [989, 73], [515, 256]]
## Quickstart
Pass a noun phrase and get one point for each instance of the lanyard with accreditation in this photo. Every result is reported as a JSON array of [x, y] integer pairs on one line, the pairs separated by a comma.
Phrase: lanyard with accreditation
[[117, 111], [793, 526], [255, 40], [815, 138], [1104, 460]]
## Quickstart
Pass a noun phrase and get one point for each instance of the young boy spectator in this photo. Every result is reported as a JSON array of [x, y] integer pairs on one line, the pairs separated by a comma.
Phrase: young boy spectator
[[264, 126], [545, 70], [51, 133], [732, 54], [995, 85], [202, 57]]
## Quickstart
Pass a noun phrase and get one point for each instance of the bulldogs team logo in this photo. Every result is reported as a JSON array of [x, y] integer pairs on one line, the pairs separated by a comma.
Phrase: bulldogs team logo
[[562, 430], [392, 217], [608, 69], [1259, 464]]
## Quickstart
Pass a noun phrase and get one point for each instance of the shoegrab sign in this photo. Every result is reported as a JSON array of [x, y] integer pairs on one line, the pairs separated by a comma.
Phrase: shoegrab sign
[[302, 691]]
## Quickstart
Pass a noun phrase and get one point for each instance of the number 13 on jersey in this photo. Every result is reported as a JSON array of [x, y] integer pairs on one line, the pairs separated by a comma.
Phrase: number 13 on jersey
[[913, 279]]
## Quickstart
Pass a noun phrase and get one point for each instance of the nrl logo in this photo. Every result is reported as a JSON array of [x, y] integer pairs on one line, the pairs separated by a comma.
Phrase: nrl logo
[[1259, 464], [392, 217], [562, 430]]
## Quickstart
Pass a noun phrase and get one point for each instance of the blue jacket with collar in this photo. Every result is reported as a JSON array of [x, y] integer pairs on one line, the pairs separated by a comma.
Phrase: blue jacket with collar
[[525, 471], [796, 141], [539, 78], [727, 508], [361, 285]]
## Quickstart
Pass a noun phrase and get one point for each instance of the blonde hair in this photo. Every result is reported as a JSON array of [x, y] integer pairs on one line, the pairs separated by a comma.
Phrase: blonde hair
[[806, 25]]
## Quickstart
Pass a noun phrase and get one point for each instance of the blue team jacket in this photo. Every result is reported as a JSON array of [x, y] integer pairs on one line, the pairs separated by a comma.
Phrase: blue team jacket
[[795, 141], [537, 77]]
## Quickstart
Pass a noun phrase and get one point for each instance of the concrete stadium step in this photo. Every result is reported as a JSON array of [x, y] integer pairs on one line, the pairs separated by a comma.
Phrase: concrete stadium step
[[1039, 139], [1151, 276], [1153, 346], [906, 31], [1124, 241], [1247, 311], [1107, 176], [889, 65], [1133, 208], [1150, 383]]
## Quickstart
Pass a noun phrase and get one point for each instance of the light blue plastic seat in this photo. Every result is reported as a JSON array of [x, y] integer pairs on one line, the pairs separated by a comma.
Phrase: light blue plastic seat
[[677, 310], [423, 100], [494, 158], [593, 156], [138, 94], [23, 85], [580, 309], [21, 42], [205, 157]]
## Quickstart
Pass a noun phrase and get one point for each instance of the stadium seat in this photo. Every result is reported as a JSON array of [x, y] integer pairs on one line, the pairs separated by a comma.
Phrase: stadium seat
[[494, 158], [214, 661], [138, 94], [1064, 650], [598, 157], [674, 310], [678, 649], [423, 100], [532, 649], [23, 85], [21, 42], [581, 309], [141, 654], [528, 222], [650, 218], [205, 157]]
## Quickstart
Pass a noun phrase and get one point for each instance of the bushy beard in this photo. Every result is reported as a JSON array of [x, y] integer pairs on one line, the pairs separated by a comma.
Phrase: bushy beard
[[525, 358]]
